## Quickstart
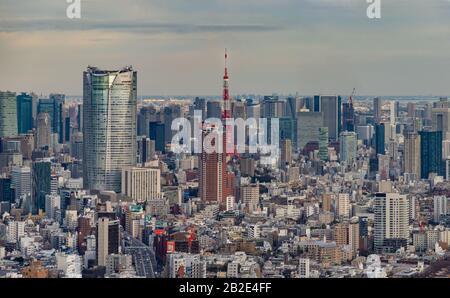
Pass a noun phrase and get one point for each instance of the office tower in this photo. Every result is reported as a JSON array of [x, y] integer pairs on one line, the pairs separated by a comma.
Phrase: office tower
[[43, 130], [303, 268], [288, 130], [348, 147], [6, 191], [170, 113], [272, 107], [331, 109], [293, 106], [58, 113], [431, 153], [380, 139], [146, 115], [76, 146], [323, 143], [108, 238], [109, 126], [54, 107], [253, 110], [249, 195], [348, 117], [214, 109], [411, 109], [377, 109], [24, 113], [157, 132], [446, 149], [342, 205], [21, 181], [146, 149], [8, 114], [391, 218], [41, 184], [308, 124], [440, 118], [248, 166], [317, 104], [440, 207], [200, 105], [141, 184], [52, 204], [239, 110], [412, 155], [365, 134], [286, 152]]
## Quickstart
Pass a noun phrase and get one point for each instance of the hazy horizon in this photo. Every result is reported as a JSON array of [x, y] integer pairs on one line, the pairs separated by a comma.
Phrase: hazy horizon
[[177, 46]]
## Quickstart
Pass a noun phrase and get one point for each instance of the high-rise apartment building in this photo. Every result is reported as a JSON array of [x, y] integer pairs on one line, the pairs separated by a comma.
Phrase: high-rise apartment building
[[109, 126], [440, 204], [391, 218], [107, 239], [21, 181], [412, 155], [141, 184]]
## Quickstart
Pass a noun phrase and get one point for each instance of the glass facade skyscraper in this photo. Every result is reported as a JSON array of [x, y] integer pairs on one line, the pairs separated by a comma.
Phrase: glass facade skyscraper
[[109, 126], [431, 153], [24, 113], [8, 114], [41, 184]]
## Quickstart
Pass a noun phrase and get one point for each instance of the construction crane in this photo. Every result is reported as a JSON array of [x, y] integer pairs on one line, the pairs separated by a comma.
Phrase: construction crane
[[351, 96]]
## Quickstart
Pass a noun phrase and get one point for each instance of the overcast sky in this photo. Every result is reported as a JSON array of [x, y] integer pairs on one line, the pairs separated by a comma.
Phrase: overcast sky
[[282, 46]]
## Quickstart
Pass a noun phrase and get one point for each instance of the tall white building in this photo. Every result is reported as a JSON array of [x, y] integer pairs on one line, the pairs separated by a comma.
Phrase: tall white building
[[440, 207], [342, 207], [21, 181], [52, 203], [303, 268], [391, 218], [16, 230], [348, 146], [141, 184]]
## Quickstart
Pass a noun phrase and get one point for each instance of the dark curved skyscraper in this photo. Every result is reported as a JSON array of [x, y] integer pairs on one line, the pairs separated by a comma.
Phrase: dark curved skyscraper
[[109, 126]]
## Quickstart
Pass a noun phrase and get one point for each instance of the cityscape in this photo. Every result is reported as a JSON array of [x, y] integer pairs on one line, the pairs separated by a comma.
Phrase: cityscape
[[112, 183]]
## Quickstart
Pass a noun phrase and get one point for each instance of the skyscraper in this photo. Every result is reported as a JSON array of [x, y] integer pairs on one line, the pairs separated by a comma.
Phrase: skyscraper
[[348, 146], [331, 109], [41, 184], [21, 181], [377, 108], [24, 112], [431, 153], [323, 143], [440, 204], [157, 132], [109, 126], [391, 219], [380, 139], [308, 124], [43, 130], [8, 114], [412, 155], [54, 107], [107, 239]]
